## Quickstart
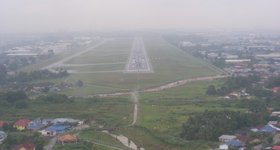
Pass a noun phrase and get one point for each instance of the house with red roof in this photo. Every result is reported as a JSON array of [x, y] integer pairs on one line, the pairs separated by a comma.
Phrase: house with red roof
[[2, 123], [276, 89], [27, 146], [21, 124], [276, 147]]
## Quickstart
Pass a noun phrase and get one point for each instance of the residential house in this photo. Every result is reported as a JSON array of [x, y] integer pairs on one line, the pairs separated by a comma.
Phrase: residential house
[[2, 123], [3, 136], [27, 146], [276, 89], [223, 147], [234, 95], [235, 143], [67, 139], [65, 121], [276, 147], [47, 122], [269, 129], [55, 129], [21, 124], [248, 140], [36, 124], [275, 113], [226, 138]]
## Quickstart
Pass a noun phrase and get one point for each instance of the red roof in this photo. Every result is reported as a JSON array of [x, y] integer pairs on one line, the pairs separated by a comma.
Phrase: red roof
[[22, 122], [276, 148], [27, 146], [2, 123], [276, 89]]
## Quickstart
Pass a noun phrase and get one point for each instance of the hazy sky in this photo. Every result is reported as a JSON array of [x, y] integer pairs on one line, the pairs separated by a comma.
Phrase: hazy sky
[[90, 15]]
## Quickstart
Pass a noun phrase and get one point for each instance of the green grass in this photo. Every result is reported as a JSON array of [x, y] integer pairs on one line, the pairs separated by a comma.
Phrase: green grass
[[192, 90], [90, 90], [89, 59], [97, 68], [100, 137], [169, 64], [109, 112], [77, 146], [149, 141], [161, 115]]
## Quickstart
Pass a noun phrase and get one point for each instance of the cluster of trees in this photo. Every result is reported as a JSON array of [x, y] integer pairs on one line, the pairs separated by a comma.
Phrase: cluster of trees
[[16, 98], [37, 75], [233, 83], [16, 138], [3, 73], [209, 125], [273, 82], [55, 98], [30, 76], [219, 62]]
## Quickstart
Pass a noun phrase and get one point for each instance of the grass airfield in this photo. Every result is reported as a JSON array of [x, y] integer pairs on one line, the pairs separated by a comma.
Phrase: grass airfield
[[103, 68], [161, 113]]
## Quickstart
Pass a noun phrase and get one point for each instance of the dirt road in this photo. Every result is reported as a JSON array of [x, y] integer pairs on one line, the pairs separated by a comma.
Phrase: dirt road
[[134, 96]]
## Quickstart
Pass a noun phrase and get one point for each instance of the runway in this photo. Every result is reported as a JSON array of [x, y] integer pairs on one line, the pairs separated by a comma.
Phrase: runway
[[138, 61]]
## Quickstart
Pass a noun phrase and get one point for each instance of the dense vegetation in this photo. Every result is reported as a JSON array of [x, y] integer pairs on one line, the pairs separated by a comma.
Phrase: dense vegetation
[[19, 99], [16, 138], [54, 98], [273, 82], [236, 83], [209, 125], [23, 77]]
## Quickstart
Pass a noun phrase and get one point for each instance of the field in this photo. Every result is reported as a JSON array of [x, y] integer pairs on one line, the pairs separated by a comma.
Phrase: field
[[160, 114], [103, 67], [108, 112]]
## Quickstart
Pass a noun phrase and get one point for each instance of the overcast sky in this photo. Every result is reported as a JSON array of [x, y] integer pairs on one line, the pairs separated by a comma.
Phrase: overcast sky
[[90, 15]]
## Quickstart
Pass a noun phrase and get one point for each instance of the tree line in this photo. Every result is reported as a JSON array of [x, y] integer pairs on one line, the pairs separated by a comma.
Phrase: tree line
[[209, 125], [22, 77]]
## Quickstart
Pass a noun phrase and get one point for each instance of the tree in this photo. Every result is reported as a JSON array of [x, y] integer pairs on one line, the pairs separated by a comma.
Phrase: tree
[[3, 73], [21, 105], [211, 90], [209, 125], [55, 98], [13, 96], [79, 83]]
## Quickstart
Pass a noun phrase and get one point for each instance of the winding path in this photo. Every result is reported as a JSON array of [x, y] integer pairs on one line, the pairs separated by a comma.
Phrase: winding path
[[134, 96]]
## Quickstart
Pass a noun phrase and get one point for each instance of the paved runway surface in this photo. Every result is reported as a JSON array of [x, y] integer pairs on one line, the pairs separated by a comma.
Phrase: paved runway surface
[[138, 61]]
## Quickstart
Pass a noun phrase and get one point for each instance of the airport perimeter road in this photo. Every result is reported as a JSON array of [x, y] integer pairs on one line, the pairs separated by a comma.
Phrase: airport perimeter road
[[138, 61], [60, 63]]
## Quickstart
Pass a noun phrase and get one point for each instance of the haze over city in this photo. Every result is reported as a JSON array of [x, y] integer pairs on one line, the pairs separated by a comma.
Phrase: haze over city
[[139, 75], [91, 15]]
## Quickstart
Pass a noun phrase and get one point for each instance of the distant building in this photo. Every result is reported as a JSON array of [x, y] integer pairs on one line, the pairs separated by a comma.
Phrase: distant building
[[2, 123], [237, 61], [269, 129], [37, 124], [275, 114], [276, 89], [65, 121], [67, 139], [3, 136], [276, 147], [28, 146], [226, 138], [21, 124], [235, 143], [55, 129], [223, 147]]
